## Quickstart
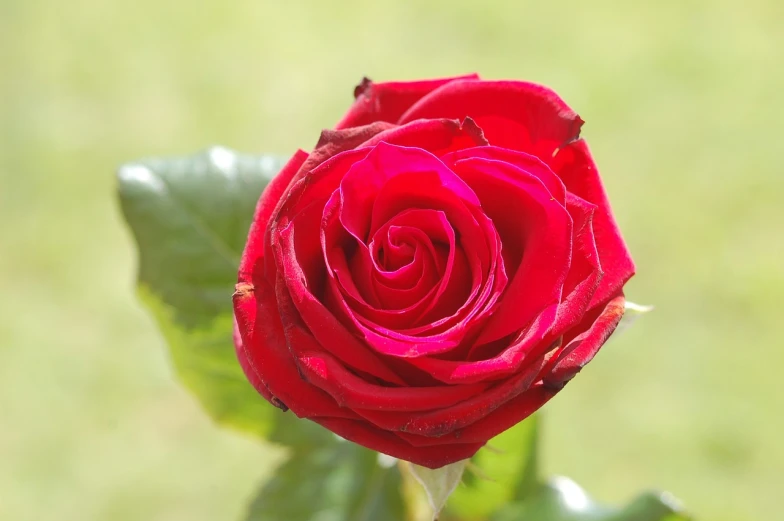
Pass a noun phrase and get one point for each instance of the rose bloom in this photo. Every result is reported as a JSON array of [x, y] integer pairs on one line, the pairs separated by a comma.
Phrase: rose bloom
[[434, 271]]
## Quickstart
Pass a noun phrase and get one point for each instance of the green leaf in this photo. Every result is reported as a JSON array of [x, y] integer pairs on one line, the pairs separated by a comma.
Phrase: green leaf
[[563, 500], [190, 218], [439, 483], [330, 480], [504, 471]]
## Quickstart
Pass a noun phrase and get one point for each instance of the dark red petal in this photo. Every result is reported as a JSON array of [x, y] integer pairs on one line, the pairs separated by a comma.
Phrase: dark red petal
[[510, 361], [508, 415], [269, 358], [540, 228], [308, 187], [497, 421], [440, 422], [581, 349], [388, 101], [247, 368], [388, 443], [585, 272], [438, 136], [351, 391], [513, 114], [333, 142], [269, 200], [526, 162], [297, 302], [575, 166]]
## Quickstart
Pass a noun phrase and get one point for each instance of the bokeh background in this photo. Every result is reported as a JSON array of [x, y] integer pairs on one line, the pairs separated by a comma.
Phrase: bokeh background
[[682, 100]]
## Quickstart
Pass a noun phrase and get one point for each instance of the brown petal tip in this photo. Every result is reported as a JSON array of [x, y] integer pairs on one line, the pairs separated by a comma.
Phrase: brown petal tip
[[243, 290], [470, 127], [363, 87], [278, 403]]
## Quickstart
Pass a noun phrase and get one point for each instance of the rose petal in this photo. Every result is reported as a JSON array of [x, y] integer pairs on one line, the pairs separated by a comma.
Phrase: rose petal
[[389, 172], [585, 272], [388, 443], [508, 415], [581, 349], [329, 332], [239, 349], [526, 162], [320, 183], [510, 361], [352, 392], [364, 207], [437, 136], [360, 282], [540, 229], [576, 168], [269, 357], [446, 420], [269, 200], [513, 114], [387, 101]]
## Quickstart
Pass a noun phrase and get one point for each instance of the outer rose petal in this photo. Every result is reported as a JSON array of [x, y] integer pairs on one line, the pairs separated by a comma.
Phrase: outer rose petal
[[333, 142], [440, 422], [388, 101], [513, 114], [575, 166], [547, 244], [580, 350], [274, 366], [585, 273], [437, 136], [349, 390], [250, 373], [270, 197], [389, 443]]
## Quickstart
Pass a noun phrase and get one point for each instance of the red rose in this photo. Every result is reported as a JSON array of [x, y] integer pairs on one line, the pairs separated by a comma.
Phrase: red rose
[[434, 271]]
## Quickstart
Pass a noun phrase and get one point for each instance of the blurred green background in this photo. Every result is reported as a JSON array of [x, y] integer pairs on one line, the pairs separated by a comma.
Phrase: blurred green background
[[682, 100]]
